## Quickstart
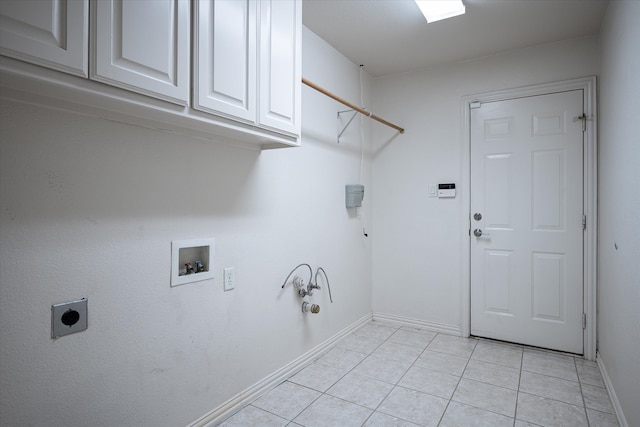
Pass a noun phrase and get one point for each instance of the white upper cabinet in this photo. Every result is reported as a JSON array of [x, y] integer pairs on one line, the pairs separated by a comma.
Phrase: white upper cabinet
[[142, 46], [248, 62], [279, 65], [225, 58], [237, 76], [49, 33]]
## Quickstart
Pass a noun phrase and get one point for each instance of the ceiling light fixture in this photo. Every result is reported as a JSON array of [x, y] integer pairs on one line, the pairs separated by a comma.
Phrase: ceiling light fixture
[[435, 10]]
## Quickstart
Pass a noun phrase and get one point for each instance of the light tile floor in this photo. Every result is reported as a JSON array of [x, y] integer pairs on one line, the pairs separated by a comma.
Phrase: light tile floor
[[387, 375]]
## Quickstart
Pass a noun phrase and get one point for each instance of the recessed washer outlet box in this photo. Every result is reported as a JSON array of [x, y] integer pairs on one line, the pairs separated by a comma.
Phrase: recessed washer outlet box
[[192, 260], [68, 318]]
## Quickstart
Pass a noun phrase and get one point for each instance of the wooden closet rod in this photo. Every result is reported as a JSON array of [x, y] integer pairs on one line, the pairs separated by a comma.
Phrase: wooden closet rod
[[350, 105]]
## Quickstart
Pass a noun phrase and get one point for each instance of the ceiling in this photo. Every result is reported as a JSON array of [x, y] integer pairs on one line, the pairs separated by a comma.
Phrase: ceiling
[[392, 36]]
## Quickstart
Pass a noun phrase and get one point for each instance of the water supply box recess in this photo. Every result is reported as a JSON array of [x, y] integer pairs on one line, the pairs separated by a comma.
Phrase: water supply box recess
[[354, 195], [447, 190]]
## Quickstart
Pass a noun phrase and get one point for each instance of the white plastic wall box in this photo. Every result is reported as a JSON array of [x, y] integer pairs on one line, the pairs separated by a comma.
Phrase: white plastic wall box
[[446, 190], [183, 251]]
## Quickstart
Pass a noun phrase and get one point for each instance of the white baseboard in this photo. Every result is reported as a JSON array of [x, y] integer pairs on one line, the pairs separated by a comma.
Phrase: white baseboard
[[422, 324], [247, 396], [612, 393]]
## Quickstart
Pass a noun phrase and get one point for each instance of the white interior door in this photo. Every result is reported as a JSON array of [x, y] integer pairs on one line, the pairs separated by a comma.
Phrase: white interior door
[[527, 220]]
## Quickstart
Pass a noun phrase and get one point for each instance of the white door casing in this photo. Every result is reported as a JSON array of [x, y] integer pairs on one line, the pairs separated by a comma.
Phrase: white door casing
[[526, 201], [588, 86]]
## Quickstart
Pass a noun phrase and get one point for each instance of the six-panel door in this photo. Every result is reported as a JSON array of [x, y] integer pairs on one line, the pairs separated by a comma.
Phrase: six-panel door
[[527, 186]]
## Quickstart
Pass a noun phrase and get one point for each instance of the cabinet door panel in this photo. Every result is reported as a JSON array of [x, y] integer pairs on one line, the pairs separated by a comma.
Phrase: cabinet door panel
[[49, 33], [280, 66], [142, 46], [225, 81]]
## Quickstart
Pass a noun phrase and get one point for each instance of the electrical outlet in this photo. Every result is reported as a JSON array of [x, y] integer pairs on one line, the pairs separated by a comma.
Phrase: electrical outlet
[[68, 318], [229, 278]]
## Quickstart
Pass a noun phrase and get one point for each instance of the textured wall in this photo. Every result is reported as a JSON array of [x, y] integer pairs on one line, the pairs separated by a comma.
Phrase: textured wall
[[619, 205], [418, 251], [89, 209]]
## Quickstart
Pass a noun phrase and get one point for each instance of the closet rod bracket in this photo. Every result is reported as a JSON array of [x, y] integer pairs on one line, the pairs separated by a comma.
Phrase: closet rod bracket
[[340, 132]]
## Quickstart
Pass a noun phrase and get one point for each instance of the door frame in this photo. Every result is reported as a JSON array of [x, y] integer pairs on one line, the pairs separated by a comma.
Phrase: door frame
[[588, 85]]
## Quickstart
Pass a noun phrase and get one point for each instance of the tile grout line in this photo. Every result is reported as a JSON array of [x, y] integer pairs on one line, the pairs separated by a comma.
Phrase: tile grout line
[[357, 364], [379, 341], [485, 382], [409, 368], [573, 362], [368, 355], [396, 383], [458, 383], [584, 402], [322, 393], [515, 415]]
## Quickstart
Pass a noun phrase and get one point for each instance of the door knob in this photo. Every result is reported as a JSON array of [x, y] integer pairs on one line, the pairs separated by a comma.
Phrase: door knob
[[477, 216], [477, 232]]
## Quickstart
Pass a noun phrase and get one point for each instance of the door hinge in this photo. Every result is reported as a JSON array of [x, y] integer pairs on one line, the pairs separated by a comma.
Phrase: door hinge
[[584, 222], [584, 320]]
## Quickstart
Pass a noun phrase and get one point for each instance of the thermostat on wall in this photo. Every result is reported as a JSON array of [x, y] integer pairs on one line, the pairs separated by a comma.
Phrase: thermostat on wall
[[447, 190]]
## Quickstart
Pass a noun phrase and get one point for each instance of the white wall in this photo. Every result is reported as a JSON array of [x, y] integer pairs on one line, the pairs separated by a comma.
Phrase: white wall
[[619, 205], [89, 209], [418, 251]]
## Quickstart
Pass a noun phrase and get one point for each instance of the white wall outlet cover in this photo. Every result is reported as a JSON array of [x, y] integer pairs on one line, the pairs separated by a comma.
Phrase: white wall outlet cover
[[229, 278], [192, 260], [68, 318]]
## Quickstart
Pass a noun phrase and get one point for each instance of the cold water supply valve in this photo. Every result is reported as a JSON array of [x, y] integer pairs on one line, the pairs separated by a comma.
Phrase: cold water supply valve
[[313, 308]]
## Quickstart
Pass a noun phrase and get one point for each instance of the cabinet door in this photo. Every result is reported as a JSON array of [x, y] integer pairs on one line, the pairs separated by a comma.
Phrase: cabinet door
[[225, 57], [280, 65], [50, 33], [142, 46]]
